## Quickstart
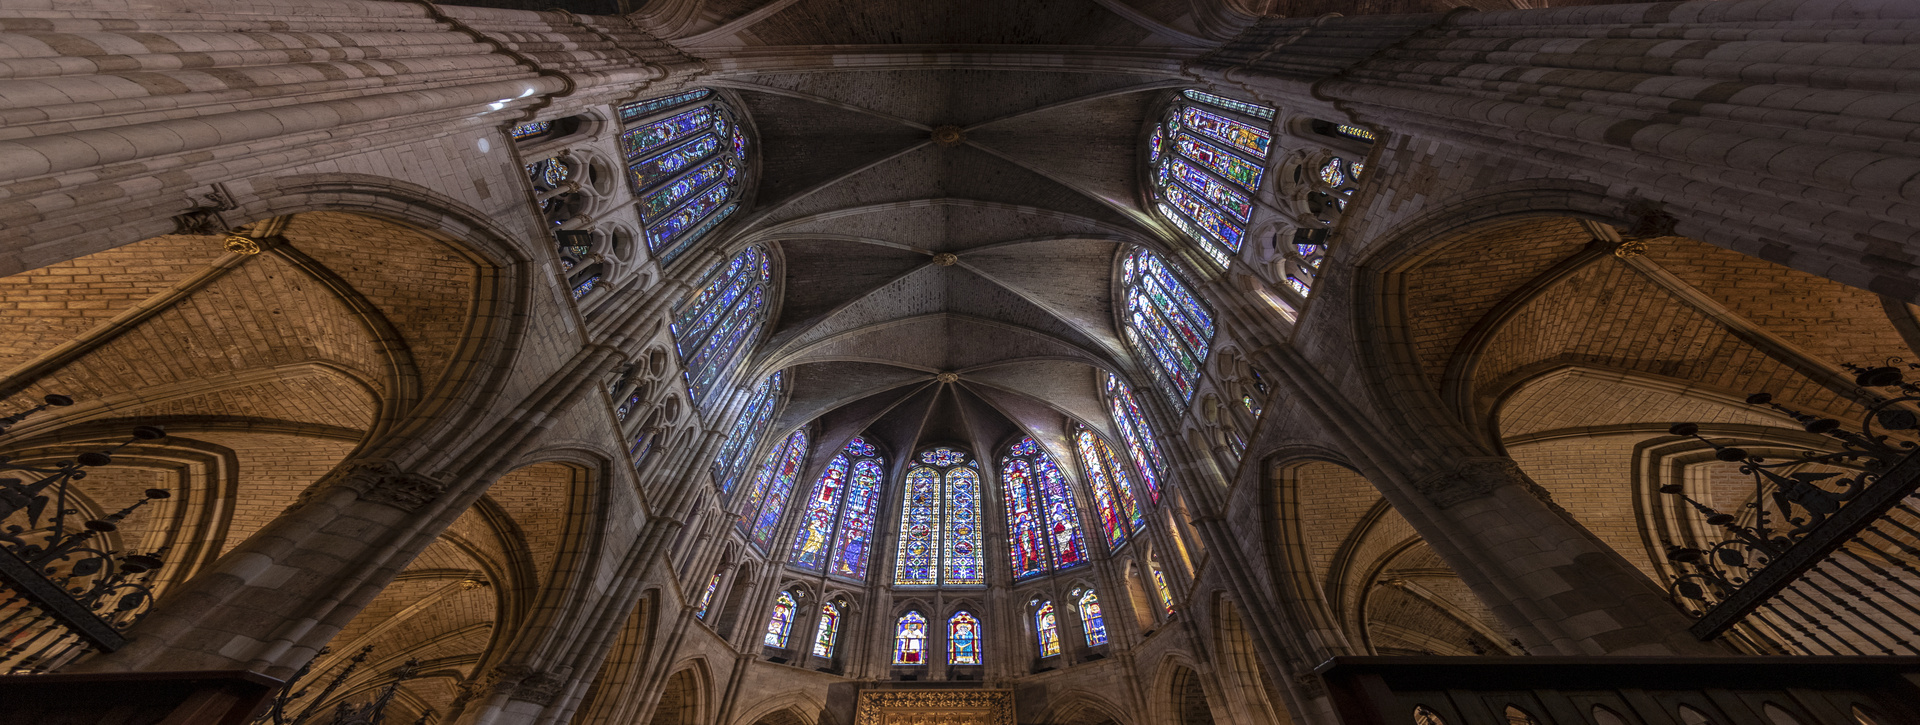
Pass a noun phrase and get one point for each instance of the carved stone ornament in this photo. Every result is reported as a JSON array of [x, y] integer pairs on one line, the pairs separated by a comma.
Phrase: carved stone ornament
[[946, 259], [203, 218], [1310, 684], [539, 688], [382, 482], [1650, 219], [1477, 478], [947, 377], [1630, 249], [948, 136], [935, 707]]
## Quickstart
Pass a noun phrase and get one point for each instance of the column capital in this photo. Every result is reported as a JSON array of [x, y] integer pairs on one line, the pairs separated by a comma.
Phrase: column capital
[[1473, 478], [381, 482]]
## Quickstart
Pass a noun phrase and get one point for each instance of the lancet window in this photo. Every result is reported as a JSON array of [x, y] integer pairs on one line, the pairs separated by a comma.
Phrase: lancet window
[[1043, 524], [1160, 586], [963, 639], [747, 429], [1046, 628], [827, 636], [780, 624], [1143, 447], [910, 639], [1112, 487], [940, 522], [706, 596], [845, 499], [1091, 620], [1166, 323], [1208, 155], [685, 154], [765, 497], [712, 326]]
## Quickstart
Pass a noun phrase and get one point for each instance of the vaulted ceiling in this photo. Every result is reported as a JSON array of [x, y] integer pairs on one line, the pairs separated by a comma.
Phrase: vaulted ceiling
[[948, 242]]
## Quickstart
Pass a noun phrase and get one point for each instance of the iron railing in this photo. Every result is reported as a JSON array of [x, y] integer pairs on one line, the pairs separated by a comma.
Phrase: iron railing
[[1822, 558]]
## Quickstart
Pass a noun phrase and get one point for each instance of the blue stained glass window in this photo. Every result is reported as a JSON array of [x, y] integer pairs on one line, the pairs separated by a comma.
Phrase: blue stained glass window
[[1047, 628], [706, 596], [910, 640], [781, 623], [1091, 620], [1043, 524], [684, 168], [585, 286], [712, 326], [530, 130], [746, 431], [940, 538], [642, 109], [963, 639], [1167, 323], [1203, 162], [1251, 109], [1142, 446], [853, 476], [766, 497], [1112, 488]]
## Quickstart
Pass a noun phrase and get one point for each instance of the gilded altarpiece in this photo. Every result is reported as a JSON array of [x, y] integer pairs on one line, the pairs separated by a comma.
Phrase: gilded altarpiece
[[935, 707]]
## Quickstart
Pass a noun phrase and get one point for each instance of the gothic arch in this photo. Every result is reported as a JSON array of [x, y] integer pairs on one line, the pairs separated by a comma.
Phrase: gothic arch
[[1079, 706], [792, 708], [686, 698]]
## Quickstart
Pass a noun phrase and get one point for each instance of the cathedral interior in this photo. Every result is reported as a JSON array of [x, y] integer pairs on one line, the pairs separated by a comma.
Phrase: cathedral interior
[[1078, 362]]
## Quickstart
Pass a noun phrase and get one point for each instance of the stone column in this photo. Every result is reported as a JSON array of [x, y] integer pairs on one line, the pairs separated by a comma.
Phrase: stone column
[[1562, 589]]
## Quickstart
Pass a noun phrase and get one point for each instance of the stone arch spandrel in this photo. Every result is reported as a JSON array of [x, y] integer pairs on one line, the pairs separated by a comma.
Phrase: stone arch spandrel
[[53, 304]]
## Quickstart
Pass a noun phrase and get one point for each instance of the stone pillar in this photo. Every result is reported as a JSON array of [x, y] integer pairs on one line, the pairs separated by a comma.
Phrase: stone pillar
[[296, 582], [1541, 571]]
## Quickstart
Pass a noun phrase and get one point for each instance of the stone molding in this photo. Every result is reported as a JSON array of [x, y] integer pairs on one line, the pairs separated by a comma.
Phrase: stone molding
[[382, 482], [539, 688], [1474, 478]]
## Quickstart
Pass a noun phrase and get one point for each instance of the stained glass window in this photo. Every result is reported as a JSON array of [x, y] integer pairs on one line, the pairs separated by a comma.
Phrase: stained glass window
[[530, 130], [585, 286], [1043, 524], [766, 496], [706, 596], [781, 623], [1206, 162], [828, 632], [712, 326], [910, 640], [1257, 111], [1047, 628], [747, 429], [1160, 585], [1112, 488], [963, 639], [1091, 621], [940, 522], [684, 166], [853, 475], [1166, 323], [1142, 446]]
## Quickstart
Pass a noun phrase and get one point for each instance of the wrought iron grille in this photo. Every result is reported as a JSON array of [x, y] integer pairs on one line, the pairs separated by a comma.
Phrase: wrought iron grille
[[1822, 557], [64, 591]]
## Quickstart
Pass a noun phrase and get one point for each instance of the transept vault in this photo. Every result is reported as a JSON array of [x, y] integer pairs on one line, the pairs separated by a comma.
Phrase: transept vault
[[829, 362]]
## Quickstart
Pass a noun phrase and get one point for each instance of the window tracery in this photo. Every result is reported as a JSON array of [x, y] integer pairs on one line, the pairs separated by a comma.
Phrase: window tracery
[[747, 429], [1113, 499], [1043, 524], [712, 327], [1143, 447], [766, 496], [1208, 156], [1046, 627], [780, 624], [684, 166], [910, 639], [940, 522], [1166, 322], [963, 639], [855, 475]]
